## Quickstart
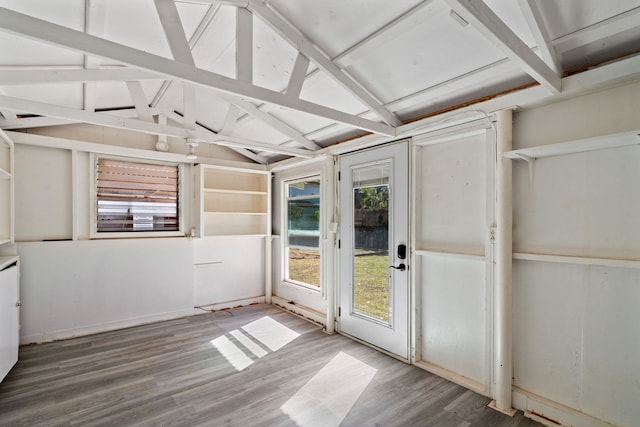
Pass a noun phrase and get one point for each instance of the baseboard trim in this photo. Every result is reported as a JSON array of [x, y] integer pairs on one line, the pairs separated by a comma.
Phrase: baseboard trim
[[63, 334], [301, 310], [550, 413]]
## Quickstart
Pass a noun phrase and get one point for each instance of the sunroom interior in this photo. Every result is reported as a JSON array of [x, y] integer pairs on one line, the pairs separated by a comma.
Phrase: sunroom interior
[[452, 182]]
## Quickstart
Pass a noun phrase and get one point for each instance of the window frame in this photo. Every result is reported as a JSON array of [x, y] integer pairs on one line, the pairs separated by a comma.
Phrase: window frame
[[93, 198], [286, 183]]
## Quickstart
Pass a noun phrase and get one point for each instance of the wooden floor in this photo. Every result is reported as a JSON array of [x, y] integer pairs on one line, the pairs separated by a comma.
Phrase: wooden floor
[[186, 372]]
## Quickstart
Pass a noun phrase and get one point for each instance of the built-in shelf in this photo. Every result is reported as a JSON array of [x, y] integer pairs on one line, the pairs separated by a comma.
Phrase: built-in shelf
[[424, 252], [562, 259], [231, 201], [578, 146], [222, 191]]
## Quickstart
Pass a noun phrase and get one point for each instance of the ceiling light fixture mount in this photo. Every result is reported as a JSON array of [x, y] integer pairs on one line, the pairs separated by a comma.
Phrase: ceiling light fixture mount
[[191, 146]]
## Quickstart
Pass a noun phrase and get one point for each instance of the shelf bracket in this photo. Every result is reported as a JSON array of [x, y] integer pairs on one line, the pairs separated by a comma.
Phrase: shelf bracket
[[531, 162]]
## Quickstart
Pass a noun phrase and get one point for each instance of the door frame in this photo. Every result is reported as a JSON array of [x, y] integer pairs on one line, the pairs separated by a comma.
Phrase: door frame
[[410, 257]]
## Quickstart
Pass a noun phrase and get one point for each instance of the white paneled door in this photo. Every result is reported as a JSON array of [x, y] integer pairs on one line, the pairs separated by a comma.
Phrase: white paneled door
[[374, 253]]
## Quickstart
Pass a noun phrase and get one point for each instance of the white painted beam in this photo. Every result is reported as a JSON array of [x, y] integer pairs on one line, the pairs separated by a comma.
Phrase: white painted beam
[[244, 29], [50, 110], [275, 123], [53, 76], [230, 120], [140, 101], [94, 16], [174, 31], [298, 75], [478, 14], [244, 45], [532, 15], [32, 122], [243, 151], [311, 51], [37, 29]]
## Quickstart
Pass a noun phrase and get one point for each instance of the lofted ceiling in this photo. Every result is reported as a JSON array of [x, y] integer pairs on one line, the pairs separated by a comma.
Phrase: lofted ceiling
[[282, 78]]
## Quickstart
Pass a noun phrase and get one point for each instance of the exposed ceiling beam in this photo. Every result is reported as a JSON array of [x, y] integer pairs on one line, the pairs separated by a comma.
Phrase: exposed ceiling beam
[[311, 51], [244, 19], [244, 45], [27, 77], [32, 122], [17, 104], [243, 151], [272, 121], [230, 120], [140, 101], [94, 16], [27, 26], [480, 16], [174, 31], [298, 74], [532, 15]]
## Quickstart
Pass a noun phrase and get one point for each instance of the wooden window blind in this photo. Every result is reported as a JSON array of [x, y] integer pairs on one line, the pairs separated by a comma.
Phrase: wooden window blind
[[135, 196]]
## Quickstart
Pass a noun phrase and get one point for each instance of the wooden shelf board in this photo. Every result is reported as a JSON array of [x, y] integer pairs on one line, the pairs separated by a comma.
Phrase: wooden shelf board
[[234, 235], [563, 259], [424, 252], [235, 213], [579, 146], [227, 191]]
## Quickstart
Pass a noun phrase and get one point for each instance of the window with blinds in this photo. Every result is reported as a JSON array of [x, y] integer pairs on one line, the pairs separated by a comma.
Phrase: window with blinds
[[135, 196]]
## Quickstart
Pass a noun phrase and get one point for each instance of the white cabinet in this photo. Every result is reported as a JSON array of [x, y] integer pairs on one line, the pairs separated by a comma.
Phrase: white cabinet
[[6, 190], [231, 201], [9, 314]]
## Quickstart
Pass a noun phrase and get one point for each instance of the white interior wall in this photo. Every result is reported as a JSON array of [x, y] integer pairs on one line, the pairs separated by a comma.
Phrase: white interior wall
[[451, 235], [575, 323], [72, 285]]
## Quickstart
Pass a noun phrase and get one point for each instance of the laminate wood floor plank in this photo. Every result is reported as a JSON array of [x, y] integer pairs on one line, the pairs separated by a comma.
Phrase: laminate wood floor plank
[[223, 369]]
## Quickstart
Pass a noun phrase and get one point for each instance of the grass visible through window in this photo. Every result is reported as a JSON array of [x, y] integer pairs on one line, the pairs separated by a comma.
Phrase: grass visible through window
[[371, 289], [304, 266]]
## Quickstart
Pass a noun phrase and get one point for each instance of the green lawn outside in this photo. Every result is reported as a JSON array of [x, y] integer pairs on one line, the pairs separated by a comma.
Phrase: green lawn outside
[[371, 279]]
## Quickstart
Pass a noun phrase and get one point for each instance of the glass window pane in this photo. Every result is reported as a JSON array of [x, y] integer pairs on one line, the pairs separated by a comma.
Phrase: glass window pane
[[305, 188], [303, 222]]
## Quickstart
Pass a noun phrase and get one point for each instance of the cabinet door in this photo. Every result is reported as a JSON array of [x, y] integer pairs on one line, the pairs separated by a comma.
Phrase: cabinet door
[[9, 320]]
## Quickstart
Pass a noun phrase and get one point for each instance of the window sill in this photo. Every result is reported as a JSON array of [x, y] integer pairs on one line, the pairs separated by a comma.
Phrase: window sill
[[301, 285], [137, 235]]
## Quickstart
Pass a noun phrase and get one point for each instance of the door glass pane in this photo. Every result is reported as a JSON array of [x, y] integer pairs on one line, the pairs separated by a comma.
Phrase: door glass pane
[[371, 293]]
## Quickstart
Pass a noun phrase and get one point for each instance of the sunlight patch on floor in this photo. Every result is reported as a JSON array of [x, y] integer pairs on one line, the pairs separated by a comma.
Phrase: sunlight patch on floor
[[270, 332], [254, 336], [326, 399], [231, 352]]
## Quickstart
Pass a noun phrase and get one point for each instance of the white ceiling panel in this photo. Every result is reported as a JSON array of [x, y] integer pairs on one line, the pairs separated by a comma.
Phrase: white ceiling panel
[[215, 50], [325, 91], [419, 58], [254, 129], [565, 17], [336, 25], [273, 58], [135, 24]]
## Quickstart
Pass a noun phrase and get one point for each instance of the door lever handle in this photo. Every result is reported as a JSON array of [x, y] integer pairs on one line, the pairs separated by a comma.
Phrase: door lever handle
[[401, 267]]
